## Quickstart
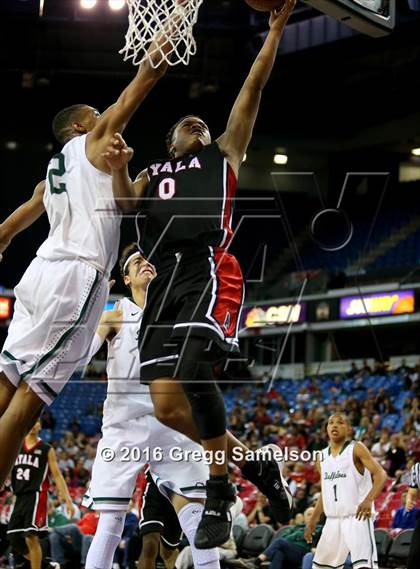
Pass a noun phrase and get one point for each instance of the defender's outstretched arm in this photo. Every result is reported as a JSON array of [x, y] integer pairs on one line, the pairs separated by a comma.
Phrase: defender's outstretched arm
[[116, 117]]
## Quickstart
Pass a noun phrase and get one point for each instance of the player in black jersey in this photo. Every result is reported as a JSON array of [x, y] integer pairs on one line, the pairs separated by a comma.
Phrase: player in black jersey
[[193, 306], [35, 464]]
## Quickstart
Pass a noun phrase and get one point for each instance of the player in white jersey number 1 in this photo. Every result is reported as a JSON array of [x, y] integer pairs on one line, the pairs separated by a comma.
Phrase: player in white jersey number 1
[[132, 436], [347, 494], [60, 298]]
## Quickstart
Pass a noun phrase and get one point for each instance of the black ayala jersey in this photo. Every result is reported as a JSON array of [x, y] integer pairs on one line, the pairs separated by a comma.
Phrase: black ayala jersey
[[189, 202], [31, 468]]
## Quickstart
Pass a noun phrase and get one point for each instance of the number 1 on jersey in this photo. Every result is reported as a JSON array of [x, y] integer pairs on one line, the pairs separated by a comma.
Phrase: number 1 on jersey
[[335, 492]]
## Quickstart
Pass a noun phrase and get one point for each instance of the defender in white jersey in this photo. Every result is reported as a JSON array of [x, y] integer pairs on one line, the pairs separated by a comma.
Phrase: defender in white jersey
[[61, 296], [347, 494], [132, 436]]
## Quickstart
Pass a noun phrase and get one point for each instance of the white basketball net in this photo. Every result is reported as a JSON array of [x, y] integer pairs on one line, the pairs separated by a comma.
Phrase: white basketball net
[[171, 19]]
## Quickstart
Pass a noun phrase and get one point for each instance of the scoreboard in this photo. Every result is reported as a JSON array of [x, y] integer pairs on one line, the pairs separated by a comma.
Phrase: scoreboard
[[372, 17]]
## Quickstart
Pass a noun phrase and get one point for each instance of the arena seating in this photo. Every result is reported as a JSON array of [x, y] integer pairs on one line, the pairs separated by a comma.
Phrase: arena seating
[[392, 551], [392, 218], [83, 403]]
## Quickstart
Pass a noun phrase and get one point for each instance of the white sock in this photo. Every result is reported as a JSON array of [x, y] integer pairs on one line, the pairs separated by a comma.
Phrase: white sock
[[189, 517], [106, 540]]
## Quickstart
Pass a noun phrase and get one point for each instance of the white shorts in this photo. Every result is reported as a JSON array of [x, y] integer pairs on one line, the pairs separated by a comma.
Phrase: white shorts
[[175, 463], [56, 313], [341, 536]]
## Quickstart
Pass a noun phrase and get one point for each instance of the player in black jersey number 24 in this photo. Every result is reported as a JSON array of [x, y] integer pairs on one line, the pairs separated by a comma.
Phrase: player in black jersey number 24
[[30, 475], [196, 299]]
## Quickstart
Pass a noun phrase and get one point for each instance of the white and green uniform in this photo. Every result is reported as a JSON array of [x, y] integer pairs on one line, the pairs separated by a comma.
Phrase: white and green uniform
[[133, 437], [343, 489], [62, 294]]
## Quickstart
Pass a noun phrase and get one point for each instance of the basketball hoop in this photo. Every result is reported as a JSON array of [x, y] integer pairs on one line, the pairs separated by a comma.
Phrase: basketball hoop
[[171, 19]]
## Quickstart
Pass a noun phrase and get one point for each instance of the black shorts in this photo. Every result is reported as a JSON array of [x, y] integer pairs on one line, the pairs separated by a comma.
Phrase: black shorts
[[29, 513], [158, 516], [194, 294]]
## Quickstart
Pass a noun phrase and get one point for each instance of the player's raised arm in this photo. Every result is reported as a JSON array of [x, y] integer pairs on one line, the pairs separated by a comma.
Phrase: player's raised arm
[[60, 482], [362, 456], [234, 141], [22, 217], [116, 117]]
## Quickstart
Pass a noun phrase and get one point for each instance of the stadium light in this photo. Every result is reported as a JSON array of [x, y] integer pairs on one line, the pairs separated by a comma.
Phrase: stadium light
[[415, 151], [116, 4], [88, 4], [280, 159]]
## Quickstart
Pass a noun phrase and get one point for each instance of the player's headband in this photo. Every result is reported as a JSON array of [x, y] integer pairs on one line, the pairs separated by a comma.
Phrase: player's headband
[[131, 257]]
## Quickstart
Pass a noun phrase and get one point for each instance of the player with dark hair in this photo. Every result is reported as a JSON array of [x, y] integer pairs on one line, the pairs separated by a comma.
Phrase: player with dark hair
[[67, 120], [347, 494], [135, 437], [35, 464], [60, 298], [193, 308]]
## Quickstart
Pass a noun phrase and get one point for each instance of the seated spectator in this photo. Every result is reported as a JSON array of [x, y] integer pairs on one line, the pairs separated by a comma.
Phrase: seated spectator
[[354, 370], [261, 512], [64, 461], [287, 550], [70, 543], [48, 421], [403, 367], [302, 395], [404, 519], [395, 455], [74, 426], [381, 447], [300, 500], [317, 443], [81, 473], [381, 367], [314, 492], [55, 517], [81, 441], [362, 428], [90, 457], [365, 369]]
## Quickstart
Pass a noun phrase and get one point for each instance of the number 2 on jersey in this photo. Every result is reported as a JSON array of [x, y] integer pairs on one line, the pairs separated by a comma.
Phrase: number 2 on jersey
[[335, 493], [58, 172]]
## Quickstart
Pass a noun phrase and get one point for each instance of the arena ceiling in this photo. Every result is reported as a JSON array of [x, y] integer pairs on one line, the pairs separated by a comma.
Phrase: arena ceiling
[[366, 81]]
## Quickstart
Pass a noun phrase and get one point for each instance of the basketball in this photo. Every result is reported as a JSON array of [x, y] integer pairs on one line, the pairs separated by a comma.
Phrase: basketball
[[265, 5]]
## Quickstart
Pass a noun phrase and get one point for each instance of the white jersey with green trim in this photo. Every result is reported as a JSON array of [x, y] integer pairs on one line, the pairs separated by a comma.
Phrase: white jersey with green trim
[[126, 398], [343, 487], [84, 218]]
